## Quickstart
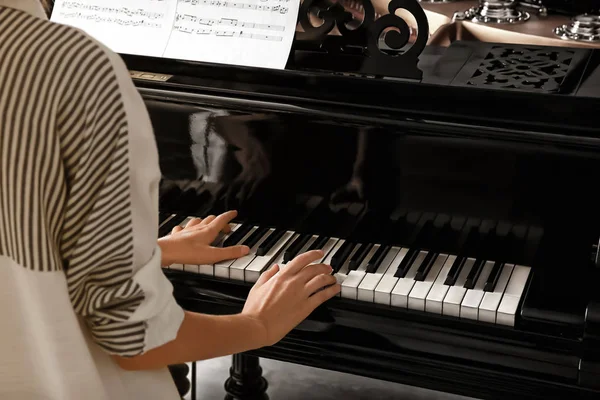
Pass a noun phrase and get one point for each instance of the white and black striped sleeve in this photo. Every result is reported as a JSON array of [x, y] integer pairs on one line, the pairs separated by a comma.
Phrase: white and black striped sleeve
[[109, 235]]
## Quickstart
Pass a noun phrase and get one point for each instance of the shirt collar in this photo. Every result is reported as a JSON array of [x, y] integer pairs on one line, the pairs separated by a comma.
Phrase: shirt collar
[[33, 7]]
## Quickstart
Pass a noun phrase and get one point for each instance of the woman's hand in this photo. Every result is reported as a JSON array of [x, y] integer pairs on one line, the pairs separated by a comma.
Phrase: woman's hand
[[193, 243], [282, 298]]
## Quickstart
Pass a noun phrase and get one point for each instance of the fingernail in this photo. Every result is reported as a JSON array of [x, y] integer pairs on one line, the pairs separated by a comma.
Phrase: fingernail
[[245, 249]]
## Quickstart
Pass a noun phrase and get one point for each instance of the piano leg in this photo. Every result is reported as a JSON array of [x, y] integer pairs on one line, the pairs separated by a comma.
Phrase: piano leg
[[246, 381]]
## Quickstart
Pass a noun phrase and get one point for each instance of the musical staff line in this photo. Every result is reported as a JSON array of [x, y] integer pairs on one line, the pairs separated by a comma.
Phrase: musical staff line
[[129, 12], [239, 5], [229, 33], [184, 19]]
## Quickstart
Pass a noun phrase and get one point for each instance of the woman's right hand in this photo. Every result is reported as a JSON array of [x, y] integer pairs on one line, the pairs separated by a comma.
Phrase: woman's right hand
[[284, 296]]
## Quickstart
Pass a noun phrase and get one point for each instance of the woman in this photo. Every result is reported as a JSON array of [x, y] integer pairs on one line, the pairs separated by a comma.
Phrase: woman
[[86, 311]]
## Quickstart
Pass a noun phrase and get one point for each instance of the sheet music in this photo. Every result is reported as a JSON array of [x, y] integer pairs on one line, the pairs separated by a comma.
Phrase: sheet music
[[256, 33]]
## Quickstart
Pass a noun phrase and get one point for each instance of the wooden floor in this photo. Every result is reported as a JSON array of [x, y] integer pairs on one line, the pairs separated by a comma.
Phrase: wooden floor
[[294, 382]]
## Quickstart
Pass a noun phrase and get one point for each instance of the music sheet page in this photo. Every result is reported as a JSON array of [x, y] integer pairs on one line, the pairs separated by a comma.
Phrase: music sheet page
[[257, 33]]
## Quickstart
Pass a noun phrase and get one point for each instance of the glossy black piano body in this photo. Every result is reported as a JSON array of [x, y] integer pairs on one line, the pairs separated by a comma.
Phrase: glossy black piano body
[[522, 159]]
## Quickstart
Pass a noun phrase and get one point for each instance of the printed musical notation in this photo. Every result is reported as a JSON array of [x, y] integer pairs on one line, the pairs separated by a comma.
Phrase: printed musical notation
[[239, 32], [184, 19], [110, 20], [231, 34], [240, 5], [140, 12]]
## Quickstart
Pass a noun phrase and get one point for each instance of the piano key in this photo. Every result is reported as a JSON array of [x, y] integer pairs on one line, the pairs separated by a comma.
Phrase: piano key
[[425, 266], [355, 277], [236, 269], [263, 261], [419, 292], [454, 271], [222, 267], [279, 258], [340, 256], [366, 289], [319, 243], [512, 296], [238, 236], [456, 293], [342, 273], [404, 285], [383, 291], [360, 255], [406, 263], [492, 280], [270, 241], [327, 259], [435, 298], [163, 218], [180, 266], [469, 307], [474, 273], [295, 247], [378, 257], [209, 269], [258, 234], [491, 299]]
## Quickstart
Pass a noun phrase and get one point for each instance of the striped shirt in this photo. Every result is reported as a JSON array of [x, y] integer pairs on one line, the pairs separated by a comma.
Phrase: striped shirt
[[80, 274]]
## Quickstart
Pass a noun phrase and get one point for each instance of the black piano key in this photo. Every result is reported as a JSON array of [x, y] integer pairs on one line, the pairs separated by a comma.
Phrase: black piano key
[[269, 242], [474, 273], [163, 216], [454, 271], [295, 247], [406, 263], [237, 235], [425, 266], [168, 226], [255, 236], [375, 261], [492, 280], [359, 255], [319, 243], [338, 259]]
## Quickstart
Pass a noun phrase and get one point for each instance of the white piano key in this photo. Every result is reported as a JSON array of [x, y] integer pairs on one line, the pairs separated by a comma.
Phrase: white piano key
[[512, 296], [404, 285], [366, 289], [435, 298], [469, 307], [383, 291], [170, 217], [222, 267], [209, 269], [326, 250], [180, 266], [456, 293], [491, 300], [419, 292], [260, 263], [237, 269], [354, 279]]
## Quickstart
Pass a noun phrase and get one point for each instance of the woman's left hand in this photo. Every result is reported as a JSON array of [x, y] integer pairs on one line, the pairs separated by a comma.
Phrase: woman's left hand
[[193, 243]]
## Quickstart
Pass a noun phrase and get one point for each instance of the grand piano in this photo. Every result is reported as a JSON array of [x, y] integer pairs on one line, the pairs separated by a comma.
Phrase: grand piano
[[446, 157]]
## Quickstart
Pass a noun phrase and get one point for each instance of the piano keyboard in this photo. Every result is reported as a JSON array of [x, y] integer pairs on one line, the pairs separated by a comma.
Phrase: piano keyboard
[[399, 277]]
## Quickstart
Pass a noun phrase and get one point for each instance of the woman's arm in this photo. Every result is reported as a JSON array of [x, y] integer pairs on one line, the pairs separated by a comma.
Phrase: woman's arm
[[277, 303]]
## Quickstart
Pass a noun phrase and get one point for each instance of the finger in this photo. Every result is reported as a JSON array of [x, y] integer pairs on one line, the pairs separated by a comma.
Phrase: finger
[[268, 274], [193, 222], [321, 297], [208, 220], [218, 254], [319, 282], [301, 261], [313, 270], [220, 222], [176, 229]]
